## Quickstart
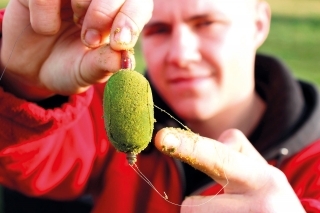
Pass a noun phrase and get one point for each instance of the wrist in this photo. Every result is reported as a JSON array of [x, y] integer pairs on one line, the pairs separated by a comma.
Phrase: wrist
[[20, 88], [17, 86]]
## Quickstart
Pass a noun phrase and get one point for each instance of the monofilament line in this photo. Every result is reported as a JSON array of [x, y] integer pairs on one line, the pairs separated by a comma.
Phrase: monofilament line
[[162, 110], [165, 197], [15, 43], [137, 170]]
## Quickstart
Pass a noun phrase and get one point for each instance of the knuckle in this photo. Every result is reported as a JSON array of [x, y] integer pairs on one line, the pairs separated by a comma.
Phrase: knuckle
[[276, 175], [104, 11], [46, 5], [40, 2], [45, 29]]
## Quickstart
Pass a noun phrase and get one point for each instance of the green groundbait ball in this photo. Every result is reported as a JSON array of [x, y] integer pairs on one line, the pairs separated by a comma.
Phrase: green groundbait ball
[[128, 111]]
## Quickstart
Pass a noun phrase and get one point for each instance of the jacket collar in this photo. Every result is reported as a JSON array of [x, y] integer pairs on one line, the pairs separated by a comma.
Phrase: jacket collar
[[293, 109]]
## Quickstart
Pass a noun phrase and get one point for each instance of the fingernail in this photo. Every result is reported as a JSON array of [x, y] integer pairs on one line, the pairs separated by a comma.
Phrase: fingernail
[[171, 139], [92, 37], [123, 35]]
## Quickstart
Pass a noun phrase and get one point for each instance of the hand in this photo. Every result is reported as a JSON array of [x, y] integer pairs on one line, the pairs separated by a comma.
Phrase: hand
[[54, 55], [254, 185]]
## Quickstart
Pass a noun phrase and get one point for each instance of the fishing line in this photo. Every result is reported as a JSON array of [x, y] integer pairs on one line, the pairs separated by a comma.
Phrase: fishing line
[[164, 195], [15, 43]]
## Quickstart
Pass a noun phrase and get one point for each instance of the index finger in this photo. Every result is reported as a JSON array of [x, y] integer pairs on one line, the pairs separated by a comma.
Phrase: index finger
[[122, 20], [223, 164]]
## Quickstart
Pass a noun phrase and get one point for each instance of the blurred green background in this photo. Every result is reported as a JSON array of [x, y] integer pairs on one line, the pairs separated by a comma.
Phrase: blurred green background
[[294, 37]]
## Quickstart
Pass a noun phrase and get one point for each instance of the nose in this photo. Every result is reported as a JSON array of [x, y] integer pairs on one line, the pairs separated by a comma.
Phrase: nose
[[184, 46]]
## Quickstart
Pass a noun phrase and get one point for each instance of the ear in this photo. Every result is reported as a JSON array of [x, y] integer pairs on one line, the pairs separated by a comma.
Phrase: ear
[[263, 19]]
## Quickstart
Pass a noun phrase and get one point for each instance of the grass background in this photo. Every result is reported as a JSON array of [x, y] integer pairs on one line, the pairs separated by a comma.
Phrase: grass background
[[294, 37]]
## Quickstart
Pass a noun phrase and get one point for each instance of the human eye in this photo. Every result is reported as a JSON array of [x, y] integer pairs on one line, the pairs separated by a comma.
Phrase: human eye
[[208, 22], [204, 23], [210, 27], [156, 29]]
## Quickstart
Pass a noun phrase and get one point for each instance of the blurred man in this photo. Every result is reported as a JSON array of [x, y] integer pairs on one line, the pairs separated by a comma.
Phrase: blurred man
[[202, 66]]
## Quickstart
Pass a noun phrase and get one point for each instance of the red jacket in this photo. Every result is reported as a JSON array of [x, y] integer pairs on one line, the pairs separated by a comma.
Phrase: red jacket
[[63, 152]]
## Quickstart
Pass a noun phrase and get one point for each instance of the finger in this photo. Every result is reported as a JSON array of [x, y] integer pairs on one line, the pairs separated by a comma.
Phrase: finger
[[79, 8], [281, 199], [223, 164], [45, 16], [125, 19], [129, 22], [220, 203], [237, 141], [99, 64], [98, 21]]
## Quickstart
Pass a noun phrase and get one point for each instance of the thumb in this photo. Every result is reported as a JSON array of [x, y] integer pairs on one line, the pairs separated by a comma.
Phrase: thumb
[[101, 63]]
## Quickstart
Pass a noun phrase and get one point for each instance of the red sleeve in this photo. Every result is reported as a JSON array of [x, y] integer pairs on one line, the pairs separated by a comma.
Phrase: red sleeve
[[303, 173], [51, 152], [1, 17], [46, 152]]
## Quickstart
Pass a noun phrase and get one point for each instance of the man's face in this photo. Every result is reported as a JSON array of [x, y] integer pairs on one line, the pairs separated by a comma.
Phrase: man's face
[[200, 54]]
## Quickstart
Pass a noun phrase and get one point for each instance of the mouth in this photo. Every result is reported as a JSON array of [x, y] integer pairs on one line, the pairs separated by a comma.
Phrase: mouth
[[184, 83]]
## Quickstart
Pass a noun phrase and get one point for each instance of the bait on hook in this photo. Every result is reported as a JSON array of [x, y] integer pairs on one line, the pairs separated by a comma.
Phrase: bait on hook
[[129, 116], [128, 110]]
